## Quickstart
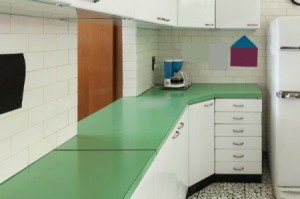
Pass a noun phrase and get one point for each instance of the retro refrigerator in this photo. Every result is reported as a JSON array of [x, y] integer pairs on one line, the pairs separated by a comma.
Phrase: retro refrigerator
[[284, 106]]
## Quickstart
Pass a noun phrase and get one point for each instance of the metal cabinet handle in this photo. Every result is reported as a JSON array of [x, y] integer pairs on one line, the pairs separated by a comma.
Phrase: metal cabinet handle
[[238, 168], [238, 118], [238, 143], [252, 24], [238, 156], [238, 105], [288, 94], [208, 105], [238, 130], [167, 20], [176, 135], [209, 24], [181, 125], [160, 18]]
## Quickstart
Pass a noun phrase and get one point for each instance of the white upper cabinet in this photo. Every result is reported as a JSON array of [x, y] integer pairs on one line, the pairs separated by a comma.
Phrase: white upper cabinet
[[238, 14], [123, 8], [196, 13], [157, 11]]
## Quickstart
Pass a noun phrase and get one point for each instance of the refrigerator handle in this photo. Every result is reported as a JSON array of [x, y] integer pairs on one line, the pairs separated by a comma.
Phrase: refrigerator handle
[[288, 94]]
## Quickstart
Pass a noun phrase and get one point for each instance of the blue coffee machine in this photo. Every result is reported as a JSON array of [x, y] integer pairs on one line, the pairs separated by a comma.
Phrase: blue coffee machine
[[173, 76]]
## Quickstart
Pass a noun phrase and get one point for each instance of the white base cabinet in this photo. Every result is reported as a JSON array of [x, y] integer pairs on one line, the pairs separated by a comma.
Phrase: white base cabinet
[[201, 141], [167, 177], [238, 141]]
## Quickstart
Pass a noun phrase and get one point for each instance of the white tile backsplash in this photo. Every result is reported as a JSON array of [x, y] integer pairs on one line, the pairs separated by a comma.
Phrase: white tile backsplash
[[66, 133], [5, 149], [139, 45], [32, 25], [34, 61], [23, 140], [58, 122], [13, 165], [56, 58], [50, 51], [56, 91], [13, 43], [42, 112], [52, 26], [40, 149], [4, 23], [13, 124]]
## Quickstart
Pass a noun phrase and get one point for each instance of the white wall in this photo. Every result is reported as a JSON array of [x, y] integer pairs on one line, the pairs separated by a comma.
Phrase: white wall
[[170, 46], [139, 45], [49, 113]]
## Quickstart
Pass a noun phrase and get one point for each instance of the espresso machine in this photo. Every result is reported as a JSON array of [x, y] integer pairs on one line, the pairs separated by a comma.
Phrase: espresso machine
[[174, 78]]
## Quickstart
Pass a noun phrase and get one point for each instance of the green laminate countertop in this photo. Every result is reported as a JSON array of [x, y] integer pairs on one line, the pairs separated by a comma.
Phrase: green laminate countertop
[[79, 175], [144, 122], [115, 146]]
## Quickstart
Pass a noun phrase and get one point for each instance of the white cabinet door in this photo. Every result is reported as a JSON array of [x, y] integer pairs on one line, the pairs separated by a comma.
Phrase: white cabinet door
[[233, 14], [124, 8], [196, 13], [201, 141], [157, 11], [146, 10], [167, 177], [168, 10]]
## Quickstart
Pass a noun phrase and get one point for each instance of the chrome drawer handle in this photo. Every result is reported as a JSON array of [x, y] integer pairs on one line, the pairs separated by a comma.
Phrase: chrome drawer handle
[[208, 105], [252, 24], [209, 24], [239, 105], [167, 20], [238, 168], [238, 130], [176, 135], [160, 18], [181, 125], [238, 156], [238, 118], [238, 143]]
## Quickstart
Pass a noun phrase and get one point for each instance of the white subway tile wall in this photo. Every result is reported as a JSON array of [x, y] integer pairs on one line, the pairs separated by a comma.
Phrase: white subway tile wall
[[137, 75], [48, 117], [139, 45]]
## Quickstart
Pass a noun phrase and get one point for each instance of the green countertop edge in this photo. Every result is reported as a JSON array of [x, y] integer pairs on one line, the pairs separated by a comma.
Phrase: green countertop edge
[[139, 178]]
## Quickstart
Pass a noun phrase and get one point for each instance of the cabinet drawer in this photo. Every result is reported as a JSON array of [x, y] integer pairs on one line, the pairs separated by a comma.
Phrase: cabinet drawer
[[238, 130], [237, 118], [238, 168], [238, 156], [238, 143], [240, 105]]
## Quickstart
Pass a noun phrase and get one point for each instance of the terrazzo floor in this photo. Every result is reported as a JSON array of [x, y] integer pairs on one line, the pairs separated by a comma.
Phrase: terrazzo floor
[[262, 190]]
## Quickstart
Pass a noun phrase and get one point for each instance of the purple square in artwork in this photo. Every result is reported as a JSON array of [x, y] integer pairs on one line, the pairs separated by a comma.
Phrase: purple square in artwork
[[244, 57]]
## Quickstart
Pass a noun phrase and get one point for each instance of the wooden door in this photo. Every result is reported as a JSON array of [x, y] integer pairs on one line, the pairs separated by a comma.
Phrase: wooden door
[[99, 63]]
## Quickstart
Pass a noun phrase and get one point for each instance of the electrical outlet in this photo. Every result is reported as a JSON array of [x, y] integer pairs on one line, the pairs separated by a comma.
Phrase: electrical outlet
[[153, 63]]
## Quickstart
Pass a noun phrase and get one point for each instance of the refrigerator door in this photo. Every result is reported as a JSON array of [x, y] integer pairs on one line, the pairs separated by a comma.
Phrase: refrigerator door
[[288, 118]]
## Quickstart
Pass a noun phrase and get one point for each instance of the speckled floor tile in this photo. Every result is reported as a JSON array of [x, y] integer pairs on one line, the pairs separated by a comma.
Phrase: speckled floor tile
[[262, 190]]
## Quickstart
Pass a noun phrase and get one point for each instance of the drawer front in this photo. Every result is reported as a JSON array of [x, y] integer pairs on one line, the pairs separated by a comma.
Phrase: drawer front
[[238, 143], [238, 156], [238, 130], [237, 118], [239, 105], [238, 168]]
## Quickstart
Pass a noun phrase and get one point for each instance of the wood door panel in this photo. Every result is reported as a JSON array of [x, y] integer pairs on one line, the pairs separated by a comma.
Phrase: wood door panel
[[97, 70]]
